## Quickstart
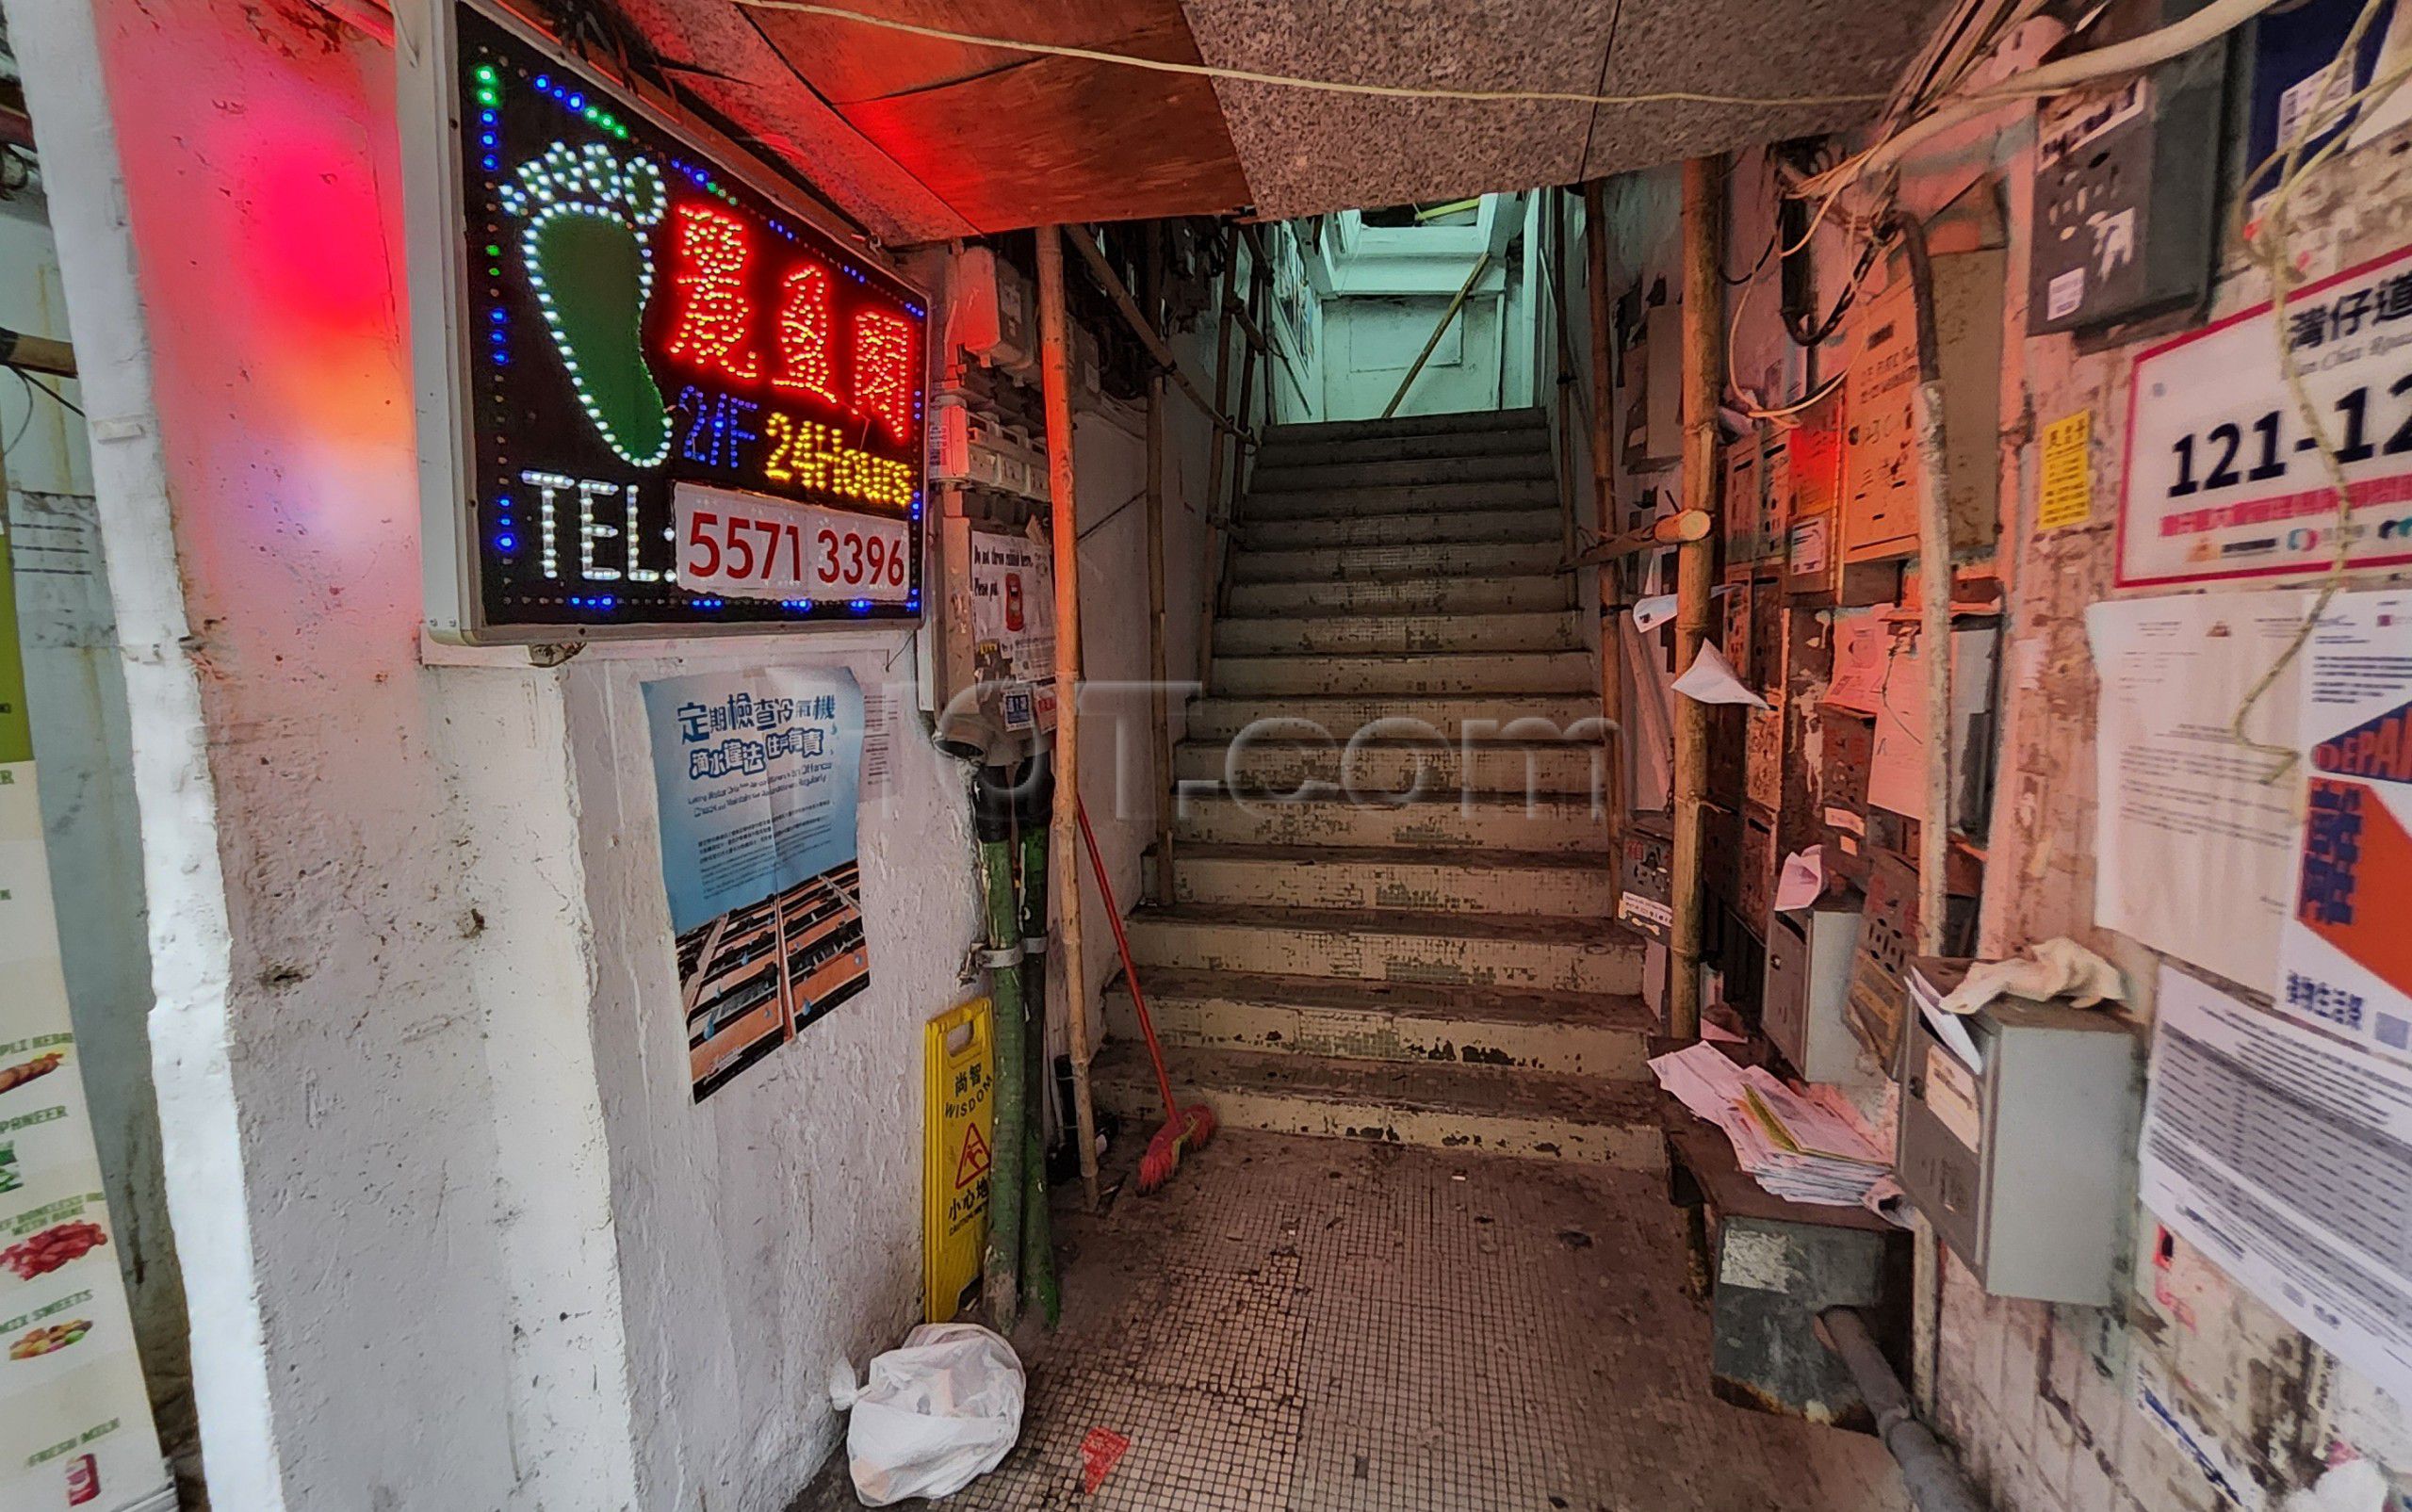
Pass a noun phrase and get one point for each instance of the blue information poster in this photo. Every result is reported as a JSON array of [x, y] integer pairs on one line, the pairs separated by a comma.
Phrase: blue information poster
[[757, 775]]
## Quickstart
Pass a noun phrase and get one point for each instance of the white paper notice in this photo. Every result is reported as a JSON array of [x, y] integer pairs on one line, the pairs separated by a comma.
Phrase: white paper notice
[[2345, 955], [1803, 880], [2196, 848], [1710, 679], [2287, 1158]]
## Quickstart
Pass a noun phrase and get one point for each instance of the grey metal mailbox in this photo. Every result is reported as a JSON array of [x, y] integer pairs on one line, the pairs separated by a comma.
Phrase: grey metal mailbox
[[2026, 1166], [1809, 960]]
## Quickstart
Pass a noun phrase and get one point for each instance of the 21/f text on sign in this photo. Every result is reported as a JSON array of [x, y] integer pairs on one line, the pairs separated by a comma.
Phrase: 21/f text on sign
[[750, 545]]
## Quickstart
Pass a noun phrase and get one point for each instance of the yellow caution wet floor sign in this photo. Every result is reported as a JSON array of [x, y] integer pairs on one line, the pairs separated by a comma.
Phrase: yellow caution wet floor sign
[[959, 1058]]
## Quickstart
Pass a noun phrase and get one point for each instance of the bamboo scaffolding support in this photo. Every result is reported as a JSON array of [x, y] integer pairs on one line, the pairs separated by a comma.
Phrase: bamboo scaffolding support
[[1703, 366], [1260, 292], [1465, 291], [1214, 451], [1568, 388], [1604, 513], [1055, 376], [1159, 698]]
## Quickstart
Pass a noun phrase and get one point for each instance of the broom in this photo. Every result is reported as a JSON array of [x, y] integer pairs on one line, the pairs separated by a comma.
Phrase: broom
[[1184, 1127]]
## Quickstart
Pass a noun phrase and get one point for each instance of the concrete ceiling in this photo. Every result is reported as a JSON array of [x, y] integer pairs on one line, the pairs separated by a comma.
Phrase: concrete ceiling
[[923, 138]]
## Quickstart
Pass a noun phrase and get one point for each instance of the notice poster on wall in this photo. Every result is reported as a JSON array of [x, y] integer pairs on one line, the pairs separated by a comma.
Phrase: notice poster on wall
[[2224, 478], [75, 1426], [2196, 830], [758, 779], [2285, 1156], [1013, 624], [2345, 955]]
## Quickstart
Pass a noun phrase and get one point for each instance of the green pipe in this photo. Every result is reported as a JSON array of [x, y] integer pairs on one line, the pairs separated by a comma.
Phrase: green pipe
[[1035, 802], [992, 817]]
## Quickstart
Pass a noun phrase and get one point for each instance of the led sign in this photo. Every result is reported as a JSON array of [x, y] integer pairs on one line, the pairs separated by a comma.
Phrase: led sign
[[678, 406]]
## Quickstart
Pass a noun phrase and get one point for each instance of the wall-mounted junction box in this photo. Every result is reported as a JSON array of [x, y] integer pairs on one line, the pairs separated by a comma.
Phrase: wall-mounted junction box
[[2025, 1163], [2126, 185], [1809, 961]]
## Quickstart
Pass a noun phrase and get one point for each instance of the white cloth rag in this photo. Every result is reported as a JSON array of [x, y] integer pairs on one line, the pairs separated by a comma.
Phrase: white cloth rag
[[2059, 967]]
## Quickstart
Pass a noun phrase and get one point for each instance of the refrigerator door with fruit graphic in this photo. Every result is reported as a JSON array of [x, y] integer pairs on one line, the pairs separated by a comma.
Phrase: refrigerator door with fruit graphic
[[75, 1424]]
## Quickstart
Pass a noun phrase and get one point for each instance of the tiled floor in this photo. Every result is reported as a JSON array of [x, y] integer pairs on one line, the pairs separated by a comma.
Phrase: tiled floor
[[1313, 1326]]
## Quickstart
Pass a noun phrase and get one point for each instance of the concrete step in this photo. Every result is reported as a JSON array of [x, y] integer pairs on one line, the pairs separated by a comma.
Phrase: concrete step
[[1399, 499], [1403, 530], [1396, 563], [1377, 877], [1298, 717], [1422, 672], [1454, 422], [1428, 596], [1574, 1034], [1537, 1114], [1284, 479], [1553, 824], [1282, 447], [1395, 634], [1512, 950], [1376, 769]]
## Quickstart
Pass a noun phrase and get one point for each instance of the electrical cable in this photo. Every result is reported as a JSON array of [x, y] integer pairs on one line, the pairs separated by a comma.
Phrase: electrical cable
[[2176, 39], [63, 400], [2274, 256], [1291, 81]]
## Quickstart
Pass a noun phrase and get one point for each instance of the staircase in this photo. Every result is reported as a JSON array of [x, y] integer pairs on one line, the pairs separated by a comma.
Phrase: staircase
[[1335, 961]]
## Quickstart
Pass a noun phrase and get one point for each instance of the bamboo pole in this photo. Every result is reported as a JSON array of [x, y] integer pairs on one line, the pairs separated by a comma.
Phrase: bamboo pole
[[1210, 588], [1568, 389], [1260, 295], [1159, 698], [1465, 289], [1219, 511], [1703, 363], [1055, 380], [1595, 257]]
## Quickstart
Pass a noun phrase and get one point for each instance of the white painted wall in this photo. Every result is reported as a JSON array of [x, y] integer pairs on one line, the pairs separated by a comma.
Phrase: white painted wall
[[76, 693], [458, 1238]]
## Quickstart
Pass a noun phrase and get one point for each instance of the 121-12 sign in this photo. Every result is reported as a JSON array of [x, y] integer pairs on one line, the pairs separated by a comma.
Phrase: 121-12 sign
[[750, 544], [2224, 478]]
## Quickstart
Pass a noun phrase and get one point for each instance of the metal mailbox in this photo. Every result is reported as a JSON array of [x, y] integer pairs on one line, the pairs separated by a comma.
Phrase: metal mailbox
[[1809, 963], [2025, 1163]]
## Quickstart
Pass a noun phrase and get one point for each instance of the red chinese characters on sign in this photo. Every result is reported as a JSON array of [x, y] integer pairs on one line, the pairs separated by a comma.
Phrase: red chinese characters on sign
[[715, 329], [804, 365], [884, 370], [712, 327]]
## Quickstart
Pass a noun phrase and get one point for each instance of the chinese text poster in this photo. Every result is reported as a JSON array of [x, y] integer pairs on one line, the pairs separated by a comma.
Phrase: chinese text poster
[[758, 776]]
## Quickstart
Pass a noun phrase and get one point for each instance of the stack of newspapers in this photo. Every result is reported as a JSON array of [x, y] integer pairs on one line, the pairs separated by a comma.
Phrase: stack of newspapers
[[1802, 1144]]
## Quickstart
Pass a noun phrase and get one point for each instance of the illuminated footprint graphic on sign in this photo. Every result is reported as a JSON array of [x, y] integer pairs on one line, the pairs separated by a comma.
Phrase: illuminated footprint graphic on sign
[[589, 251]]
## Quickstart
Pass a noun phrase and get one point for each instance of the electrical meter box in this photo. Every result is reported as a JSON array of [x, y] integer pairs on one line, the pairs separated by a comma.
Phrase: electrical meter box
[[2025, 1161], [2126, 185], [1809, 960], [1646, 893], [1882, 472]]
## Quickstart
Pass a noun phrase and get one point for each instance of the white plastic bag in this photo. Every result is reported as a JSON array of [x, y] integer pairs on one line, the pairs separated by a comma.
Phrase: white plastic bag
[[936, 1415]]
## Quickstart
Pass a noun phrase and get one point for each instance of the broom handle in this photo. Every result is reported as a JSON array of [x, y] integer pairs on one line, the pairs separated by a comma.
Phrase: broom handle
[[1129, 972]]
